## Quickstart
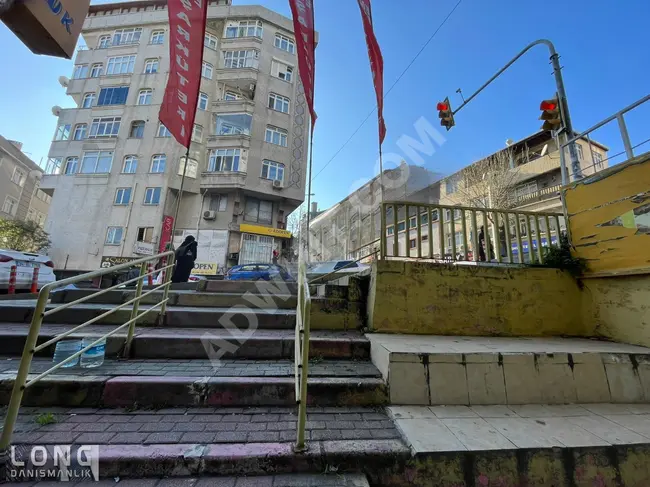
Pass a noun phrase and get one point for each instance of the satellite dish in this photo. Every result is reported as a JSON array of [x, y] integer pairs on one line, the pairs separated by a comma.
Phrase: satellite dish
[[544, 150], [56, 110], [64, 81], [509, 142]]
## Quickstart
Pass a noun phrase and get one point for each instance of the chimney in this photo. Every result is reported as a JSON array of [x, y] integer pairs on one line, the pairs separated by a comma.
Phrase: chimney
[[314, 207]]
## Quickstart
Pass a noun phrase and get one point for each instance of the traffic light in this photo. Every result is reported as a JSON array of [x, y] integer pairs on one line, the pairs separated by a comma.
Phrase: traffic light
[[551, 114], [445, 114]]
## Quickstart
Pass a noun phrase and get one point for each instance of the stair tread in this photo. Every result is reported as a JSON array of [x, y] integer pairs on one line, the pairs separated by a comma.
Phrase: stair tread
[[104, 306], [198, 368]]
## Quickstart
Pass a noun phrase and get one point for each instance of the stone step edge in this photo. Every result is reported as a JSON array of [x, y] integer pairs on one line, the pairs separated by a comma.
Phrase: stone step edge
[[250, 459], [170, 391]]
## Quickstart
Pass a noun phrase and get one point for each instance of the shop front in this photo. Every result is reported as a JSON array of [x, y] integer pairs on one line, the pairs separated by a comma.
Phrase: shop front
[[258, 243]]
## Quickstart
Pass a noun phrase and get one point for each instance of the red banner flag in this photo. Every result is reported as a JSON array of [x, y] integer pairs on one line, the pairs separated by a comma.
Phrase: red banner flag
[[187, 19], [303, 26], [376, 64], [166, 233]]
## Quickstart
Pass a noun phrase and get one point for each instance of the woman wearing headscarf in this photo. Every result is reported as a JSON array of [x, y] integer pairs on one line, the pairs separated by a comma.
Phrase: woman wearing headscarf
[[185, 257]]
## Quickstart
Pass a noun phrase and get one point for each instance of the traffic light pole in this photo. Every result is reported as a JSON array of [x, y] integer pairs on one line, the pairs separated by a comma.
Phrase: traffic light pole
[[562, 98]]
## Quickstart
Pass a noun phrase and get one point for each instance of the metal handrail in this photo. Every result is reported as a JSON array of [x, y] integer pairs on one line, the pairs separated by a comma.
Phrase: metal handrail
[[301, 354], [30, 348], [499, 242]]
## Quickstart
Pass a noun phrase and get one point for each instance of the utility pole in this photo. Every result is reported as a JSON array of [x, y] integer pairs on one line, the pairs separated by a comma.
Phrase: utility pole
[[562, 98]]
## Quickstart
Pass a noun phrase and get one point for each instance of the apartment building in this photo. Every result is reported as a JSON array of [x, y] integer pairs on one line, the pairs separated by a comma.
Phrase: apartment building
[[20, 195], [114, 171], [526, 175]]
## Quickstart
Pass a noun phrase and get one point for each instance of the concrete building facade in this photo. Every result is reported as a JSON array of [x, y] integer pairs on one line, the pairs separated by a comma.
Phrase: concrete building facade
[[20, 195], [115, 172]]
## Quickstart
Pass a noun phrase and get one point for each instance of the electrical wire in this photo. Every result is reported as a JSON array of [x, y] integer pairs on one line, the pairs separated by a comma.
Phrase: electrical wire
[[410, 64]]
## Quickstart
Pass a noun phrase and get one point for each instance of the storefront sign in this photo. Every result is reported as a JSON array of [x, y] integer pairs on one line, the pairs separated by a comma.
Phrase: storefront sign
[[205, 269], [143, 248], [273, 232], [49, 27], [110, 261]]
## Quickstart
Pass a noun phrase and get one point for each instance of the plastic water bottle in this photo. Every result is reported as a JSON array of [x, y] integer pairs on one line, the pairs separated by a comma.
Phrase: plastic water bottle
[[65, 349], [93, 357]]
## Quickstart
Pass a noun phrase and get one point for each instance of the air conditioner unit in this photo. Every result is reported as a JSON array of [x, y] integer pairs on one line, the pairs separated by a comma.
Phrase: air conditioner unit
[[209, 215], [277, 184]]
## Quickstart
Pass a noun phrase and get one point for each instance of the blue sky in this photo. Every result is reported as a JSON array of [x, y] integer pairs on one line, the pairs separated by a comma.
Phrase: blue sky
[[604, 52]]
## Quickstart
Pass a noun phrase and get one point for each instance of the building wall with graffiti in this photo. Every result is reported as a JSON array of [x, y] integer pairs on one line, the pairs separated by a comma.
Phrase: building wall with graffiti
[[609, 218]]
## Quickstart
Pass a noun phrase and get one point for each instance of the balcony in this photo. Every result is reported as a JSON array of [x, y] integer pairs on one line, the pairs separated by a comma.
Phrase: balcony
[[540, 195], [538, 166], [223, 179], [248, 74], [242, 105]]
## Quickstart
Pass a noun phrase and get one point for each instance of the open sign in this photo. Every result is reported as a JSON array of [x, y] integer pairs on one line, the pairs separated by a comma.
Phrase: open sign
[[205, 268]]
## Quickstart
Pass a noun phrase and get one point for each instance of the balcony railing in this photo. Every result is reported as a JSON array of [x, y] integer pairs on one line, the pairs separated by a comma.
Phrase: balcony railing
[[541, 194]]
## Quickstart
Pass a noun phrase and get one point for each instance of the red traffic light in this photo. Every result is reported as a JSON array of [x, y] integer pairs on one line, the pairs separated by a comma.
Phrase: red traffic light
[[548, 105], [442, 106]]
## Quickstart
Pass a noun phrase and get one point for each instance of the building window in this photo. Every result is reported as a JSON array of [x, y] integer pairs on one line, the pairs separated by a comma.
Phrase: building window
[[158, 37], [218, 202], [80, 71], [598, 159], [122, 196], [18, 177], [526, 190], [401, 226], [10, 206], [241, 59], [145, 234], [144, 97], [244, 28], [127, 36], [63, 132], [114, 235], [89, 99], [158, 163], [80, 131], [412, 243], [258, 211], [151, 66], [97, 162], [284, 43], [451, 185], [203, 101], [137, 129], [104, 42], [105, 127], [97, 70], [120, 65], [231, 96], [277, 136], [71, 165], [234, 124], [152, 196], [390, 230], [163, 131], [279, 103], [282, 71], [197, 133], [206, 70], [113, 96], [224, 160], [53, 165], [130, 165], [272, 170], [210, 41], [192, 168]]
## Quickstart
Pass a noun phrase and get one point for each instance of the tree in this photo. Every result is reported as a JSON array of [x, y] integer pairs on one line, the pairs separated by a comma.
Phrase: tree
[[23, 236]]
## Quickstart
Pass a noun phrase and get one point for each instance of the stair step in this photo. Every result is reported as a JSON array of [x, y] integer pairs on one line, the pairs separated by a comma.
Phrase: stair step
[[196, 383], [495, 370], [191, 343], [242, 287]]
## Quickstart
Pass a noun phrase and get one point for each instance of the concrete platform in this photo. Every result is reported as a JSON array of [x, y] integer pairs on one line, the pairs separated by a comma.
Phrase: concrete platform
[[444, 370]]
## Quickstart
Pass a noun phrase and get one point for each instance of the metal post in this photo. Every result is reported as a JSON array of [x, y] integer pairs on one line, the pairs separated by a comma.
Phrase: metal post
[[418, 222], [497, 237], [625, 136], [407, 230], [520, 247], [23, 369], [168, 279], [540, 255], [180, 193], [548, 230], [430, 217], [486, 236], [529, 237], [382, 236], [506, 224], [395, 232], [464, 230], [475, 242], [452, 227], [136, 306], [441, 233]]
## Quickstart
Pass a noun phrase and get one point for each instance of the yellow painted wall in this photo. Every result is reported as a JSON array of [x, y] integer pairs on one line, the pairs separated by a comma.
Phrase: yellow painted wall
[[618, 308], [424, 298], [609, 218]]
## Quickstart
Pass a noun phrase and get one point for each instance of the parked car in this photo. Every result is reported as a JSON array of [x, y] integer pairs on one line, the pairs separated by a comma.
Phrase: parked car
[[258, 272], [340, 266], [25, 264]]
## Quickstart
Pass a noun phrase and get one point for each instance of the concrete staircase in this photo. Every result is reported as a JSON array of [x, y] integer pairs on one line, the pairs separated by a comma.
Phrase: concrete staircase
[[209, 390]]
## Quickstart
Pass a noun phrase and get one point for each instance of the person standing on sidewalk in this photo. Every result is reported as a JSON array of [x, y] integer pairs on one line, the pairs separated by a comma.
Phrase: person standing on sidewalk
[[185, 257]]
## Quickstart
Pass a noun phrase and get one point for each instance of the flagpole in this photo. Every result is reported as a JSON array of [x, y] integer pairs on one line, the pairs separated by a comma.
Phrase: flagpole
[[311, 138], [180, 194]]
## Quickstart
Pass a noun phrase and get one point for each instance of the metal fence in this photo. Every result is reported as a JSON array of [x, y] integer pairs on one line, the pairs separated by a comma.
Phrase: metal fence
[[301, 353], [42, 311], [459, 233]]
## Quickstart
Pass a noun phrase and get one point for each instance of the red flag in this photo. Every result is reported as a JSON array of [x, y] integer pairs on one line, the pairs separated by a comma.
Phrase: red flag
[[187, 19], [303, 26], [166, 232], [376, 64]]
